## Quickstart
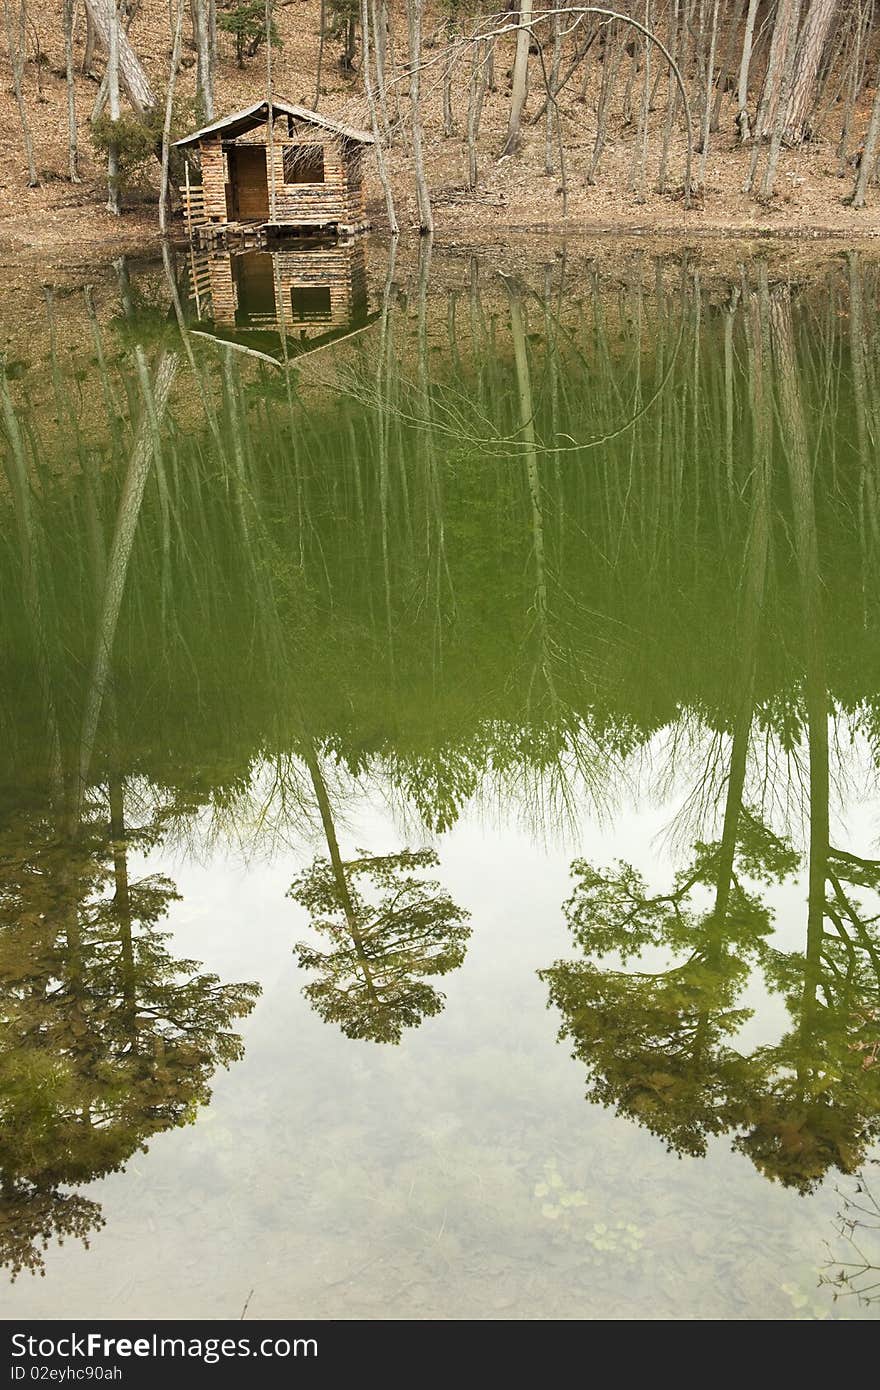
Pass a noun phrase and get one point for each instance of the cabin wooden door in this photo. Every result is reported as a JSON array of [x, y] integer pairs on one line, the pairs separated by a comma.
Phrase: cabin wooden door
[[250, 185]]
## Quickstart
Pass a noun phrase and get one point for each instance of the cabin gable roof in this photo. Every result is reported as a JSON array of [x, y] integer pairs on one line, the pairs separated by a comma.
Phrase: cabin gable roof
[[249, 117]]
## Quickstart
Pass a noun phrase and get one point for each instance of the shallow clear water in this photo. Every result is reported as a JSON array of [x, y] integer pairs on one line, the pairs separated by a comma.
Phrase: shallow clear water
[[438, 791]]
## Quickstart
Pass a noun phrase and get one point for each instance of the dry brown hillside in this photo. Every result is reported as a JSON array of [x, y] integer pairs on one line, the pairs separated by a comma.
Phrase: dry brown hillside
[[512, 192]]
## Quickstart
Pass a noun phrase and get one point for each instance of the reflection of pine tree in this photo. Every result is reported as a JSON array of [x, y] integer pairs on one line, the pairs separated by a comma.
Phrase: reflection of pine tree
[[372, 982], [105, 1038], [655, 1043], [385, 942], [819, 1103]]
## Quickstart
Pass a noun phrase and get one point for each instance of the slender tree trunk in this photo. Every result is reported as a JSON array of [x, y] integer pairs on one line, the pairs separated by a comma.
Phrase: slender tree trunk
[[72, 170], [610, 66], [322, 25], [113, 103], [705, 135], [423, 197], [797, 449], [379, 21], [672, 95], [533, 477], [117, 570], [869, 152], [553, 85], [448, 118], [16, 33], [166, 128], [88, 62], [476, 97], [374, 122], [742, 91], [204, 71], [520, 85]]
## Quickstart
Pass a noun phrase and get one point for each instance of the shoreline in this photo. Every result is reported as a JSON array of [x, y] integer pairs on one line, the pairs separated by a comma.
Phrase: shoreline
[[144, 239]]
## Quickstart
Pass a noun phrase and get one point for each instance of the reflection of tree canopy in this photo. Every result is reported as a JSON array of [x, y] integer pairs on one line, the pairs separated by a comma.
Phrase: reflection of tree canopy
[[819, 1103], [657, 1045], [390, 928], [105, 1038]]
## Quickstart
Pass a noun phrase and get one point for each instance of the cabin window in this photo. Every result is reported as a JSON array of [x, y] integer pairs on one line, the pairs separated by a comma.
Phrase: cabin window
[[303, 164], [310, 303]]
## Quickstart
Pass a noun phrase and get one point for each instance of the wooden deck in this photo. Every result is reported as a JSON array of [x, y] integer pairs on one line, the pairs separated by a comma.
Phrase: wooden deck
[[218, 235]]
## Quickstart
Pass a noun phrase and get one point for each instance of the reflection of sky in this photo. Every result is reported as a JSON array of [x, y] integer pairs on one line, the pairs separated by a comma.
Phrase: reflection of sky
[[339, 1178]]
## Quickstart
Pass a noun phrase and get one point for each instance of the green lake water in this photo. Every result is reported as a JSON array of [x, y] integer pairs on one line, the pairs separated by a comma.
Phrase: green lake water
[[439, 801]]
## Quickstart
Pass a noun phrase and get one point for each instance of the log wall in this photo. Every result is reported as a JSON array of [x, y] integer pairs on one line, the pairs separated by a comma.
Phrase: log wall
[[338, 200]]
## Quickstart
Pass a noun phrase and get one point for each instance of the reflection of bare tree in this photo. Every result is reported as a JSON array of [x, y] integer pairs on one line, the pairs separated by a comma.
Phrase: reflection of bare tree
[[853, 1271]]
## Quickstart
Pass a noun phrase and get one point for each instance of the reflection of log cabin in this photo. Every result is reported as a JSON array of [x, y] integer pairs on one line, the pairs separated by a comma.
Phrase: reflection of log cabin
[[300, 172], [310, 295]]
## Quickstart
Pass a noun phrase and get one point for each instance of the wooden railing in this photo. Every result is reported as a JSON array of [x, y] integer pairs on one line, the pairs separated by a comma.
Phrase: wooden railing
[[193, 198]]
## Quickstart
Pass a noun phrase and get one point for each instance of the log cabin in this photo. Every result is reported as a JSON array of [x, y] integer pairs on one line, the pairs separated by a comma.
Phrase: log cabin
[[287, 171]]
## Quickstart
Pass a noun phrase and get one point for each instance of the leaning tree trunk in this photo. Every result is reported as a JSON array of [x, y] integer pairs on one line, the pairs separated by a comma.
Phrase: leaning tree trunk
[[132, 78], [15, 34], [810, 49], [520, 84], [423, 197], [139, 465], [169, 112]]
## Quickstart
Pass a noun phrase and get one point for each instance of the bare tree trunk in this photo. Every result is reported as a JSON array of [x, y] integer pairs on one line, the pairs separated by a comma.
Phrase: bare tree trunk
[[204, 72], [672, 95], [15, 35], [423, 197], [707, 108], [476, 97], [721, 86], [113, 103], [380, 44], [130, 72], [88, 63], [869, 152], [810, 49], [782, 106], [449, 60], [117, 566], [169, 111], [72, 170], [640, 151], [553, 85], [742, 93], [322, 25], [610, 66], [784, 33], [855, 76], [374, 122], [520, 85]]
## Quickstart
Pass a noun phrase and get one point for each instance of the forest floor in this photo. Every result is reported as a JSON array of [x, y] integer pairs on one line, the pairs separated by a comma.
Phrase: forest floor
[[64, 221]]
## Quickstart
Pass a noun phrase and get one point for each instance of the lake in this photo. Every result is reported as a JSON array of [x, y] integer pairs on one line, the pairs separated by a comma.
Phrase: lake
[[439, 753]]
